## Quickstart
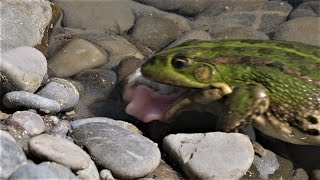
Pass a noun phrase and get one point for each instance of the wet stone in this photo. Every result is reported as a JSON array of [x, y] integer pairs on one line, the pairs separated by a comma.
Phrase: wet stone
[[20, 27], [32, 171], [29, 121], [59, 150], [12, 157], [22, 68], [118, 149], [16, 99], [154, 32], [59, 170], [62, 91], [200, 155], [75, 56], [308, 9]]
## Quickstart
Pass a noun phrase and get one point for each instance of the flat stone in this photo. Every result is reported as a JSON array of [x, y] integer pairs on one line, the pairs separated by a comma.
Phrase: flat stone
[[32, 171], [109, 16], [118, 149], [22, 68], [307, 9], [62, 91], [214, 155], [186, 7], [29, 121], [16, 99], [76, 123], [128, 66], [239, 33], [59, 170], [191, 35], [24, 23], [91, 172], [154, 32], [12, 157], [60, 151], [5, 134], [305, 30], [75, 56]]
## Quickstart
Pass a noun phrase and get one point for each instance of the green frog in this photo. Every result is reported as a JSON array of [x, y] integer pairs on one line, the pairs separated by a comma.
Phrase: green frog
[[273, 85]]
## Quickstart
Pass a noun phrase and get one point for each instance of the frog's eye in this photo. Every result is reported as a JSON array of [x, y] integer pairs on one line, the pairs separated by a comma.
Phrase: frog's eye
[[181, 62]]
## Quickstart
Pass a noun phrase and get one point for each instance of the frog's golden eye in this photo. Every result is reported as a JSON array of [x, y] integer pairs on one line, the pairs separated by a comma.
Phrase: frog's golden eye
[[181, 62]]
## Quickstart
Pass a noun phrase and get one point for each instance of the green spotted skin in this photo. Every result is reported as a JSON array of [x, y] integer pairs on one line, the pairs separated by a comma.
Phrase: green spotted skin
[[288, 71]]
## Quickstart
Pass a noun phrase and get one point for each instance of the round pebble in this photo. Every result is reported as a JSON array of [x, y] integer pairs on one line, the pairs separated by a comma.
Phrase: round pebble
[[59, 170], [201, 157], [59, 150], [29, 121], [118, 149], [62, 91], [32, 171], [16, 99], [12, 157]]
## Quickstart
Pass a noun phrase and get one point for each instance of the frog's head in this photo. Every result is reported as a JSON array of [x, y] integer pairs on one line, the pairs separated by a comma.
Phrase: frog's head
[[180, 69]]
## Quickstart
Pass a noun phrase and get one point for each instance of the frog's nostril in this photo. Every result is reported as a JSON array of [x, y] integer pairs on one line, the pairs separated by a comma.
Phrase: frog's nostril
[[313, 132], [312, 119]]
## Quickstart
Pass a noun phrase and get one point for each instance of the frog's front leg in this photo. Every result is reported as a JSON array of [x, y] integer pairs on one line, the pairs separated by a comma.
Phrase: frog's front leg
[[243, 106]]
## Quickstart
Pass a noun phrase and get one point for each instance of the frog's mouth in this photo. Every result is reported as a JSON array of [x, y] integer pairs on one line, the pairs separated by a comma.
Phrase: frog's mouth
[[150, 101]]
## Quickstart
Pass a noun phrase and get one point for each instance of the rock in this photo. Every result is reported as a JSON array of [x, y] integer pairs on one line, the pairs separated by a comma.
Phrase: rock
[[50, 121], [308, 9], [105, 174], [315, 175], [97, 83], [118, 149], [17, 99], [5, 134], [270, 166], [191, 35], [91, 172], [305, 30], [60, 151], [188, 8], [29, 121], [260, 15], [76, 123], [76, 56], [211, 155], [109, 16], [61, 129], [59, 170], [299, 174], [24, 23], [239, 33], [22, 68], [32, 171], [12, 157], [154, 32], [62, 91]]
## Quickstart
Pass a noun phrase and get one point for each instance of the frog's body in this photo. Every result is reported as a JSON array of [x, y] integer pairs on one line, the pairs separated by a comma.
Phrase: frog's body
[[272, 84]]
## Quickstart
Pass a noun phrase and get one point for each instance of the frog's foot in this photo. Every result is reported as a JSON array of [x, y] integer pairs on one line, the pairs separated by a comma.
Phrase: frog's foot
[[259, 149], [243, 106]]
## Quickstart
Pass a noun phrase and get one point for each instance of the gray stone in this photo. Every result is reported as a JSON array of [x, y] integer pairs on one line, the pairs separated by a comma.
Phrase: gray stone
[[32, 171], [118, 149], [29, 121], [59, 170], [5, 134], [304, 29], [75, 56], [154, 32], [191, 35], [239, 33], [91, 172], [12, 157], [59, 150], [22, 68], [24, 23], [186, 7], [299, 174], [315, 175], [128, 66], [211, 155], [62, 91], [17, 99], [123, 124], [308, 9], [109, 16], [61, 129], [105, 174]]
